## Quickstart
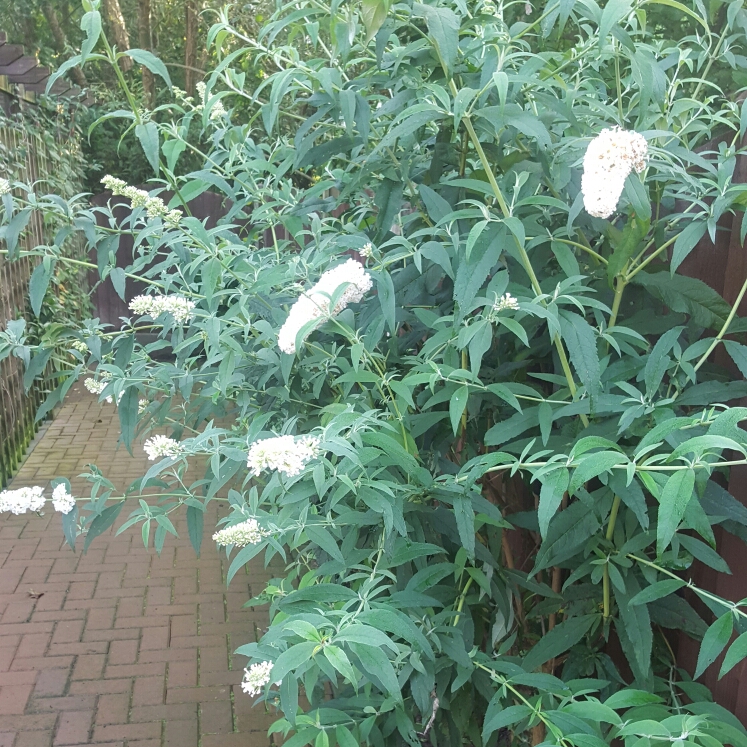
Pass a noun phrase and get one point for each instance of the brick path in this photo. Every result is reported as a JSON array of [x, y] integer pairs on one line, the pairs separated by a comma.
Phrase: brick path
[[120, 646]]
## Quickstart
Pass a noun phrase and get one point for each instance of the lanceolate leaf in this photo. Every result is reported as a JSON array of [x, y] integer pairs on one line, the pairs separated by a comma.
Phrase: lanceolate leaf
[[714, 642], [559, 640], [581, 342], [551, 494], [675, 496]]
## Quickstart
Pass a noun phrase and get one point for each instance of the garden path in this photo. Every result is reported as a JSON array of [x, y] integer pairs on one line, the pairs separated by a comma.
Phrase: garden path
[[118, 647]]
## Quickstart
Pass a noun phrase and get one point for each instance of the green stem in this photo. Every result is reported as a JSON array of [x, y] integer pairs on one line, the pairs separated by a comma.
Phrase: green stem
[[525, 261], [700, 592], [92, 266], [608, 537], [724, 328], [651, 258], [585, 248], [620, 284], [460, 603]]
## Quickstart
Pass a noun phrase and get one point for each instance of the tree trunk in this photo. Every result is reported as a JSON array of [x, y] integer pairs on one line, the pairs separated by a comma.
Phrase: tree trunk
[[145, 39], [116, 22], [192, 8], [60, 43]]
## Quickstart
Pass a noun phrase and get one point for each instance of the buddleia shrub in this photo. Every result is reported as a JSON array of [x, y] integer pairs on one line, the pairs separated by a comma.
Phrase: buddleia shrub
[[439, 358]]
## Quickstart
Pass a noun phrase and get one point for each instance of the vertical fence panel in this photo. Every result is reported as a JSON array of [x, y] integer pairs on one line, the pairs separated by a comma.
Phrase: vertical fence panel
[[18, 407]]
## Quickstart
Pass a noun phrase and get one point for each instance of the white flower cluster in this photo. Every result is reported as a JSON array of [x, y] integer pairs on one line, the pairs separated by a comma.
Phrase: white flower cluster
[[240, 535], [314, 303], [21, 500], [256, 677], [155, 207], [93, 386], [367, 250], [79, 345], [4, 187], [142, 406], [217, 110], [178, 306], [506, 301], [283, 453], [96, 387], [158, 447], [62, 500], [609, 159]]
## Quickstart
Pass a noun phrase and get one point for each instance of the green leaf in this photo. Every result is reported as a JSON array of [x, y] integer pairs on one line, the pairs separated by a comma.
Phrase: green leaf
[[687, 296], [472, 274], [551, 494], [149, 60], [675, 496], [686, 242], [630, 240], [437, 207], [339, 660], [631, 495], [738, 354], [195, 522], [322, 537], [387, 299], [291, 659], [39, 283], [594, 465], [102, 522], [510, 428], [465, 521], [443, 27], [657, 590], [634, 630], [568, 533], [737, 651], [376, 664], [581, 341], [91, 24], [127, 409], [389, 201], [629, 698], [613, 13], [13, 230], [457, 405], [503, 718], [558, 640], [373, 15], [147, 134], [714, 642]]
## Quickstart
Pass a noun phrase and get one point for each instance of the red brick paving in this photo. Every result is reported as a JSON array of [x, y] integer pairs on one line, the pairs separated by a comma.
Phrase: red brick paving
[[118, 647]]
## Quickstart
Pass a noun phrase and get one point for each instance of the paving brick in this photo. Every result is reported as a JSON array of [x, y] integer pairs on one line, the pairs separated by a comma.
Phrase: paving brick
[[13, 699], [173, 712], [196, 694], [123, 652], [68, 631], [116, 732], [181, 733], [89, 667], [73, 728], [66, 703], [113, 709], [51, 682], [41, 738], [216, 718], [149, 691], [183, 674]]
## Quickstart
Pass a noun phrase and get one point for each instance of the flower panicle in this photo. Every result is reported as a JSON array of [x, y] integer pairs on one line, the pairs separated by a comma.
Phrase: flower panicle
[[240, 535], [611, 156], [179, 307], [285, 454], [314, 304], [159, 447]]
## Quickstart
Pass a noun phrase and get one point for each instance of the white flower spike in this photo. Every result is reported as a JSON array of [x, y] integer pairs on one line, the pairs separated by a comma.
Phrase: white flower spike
[[609, 159]]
